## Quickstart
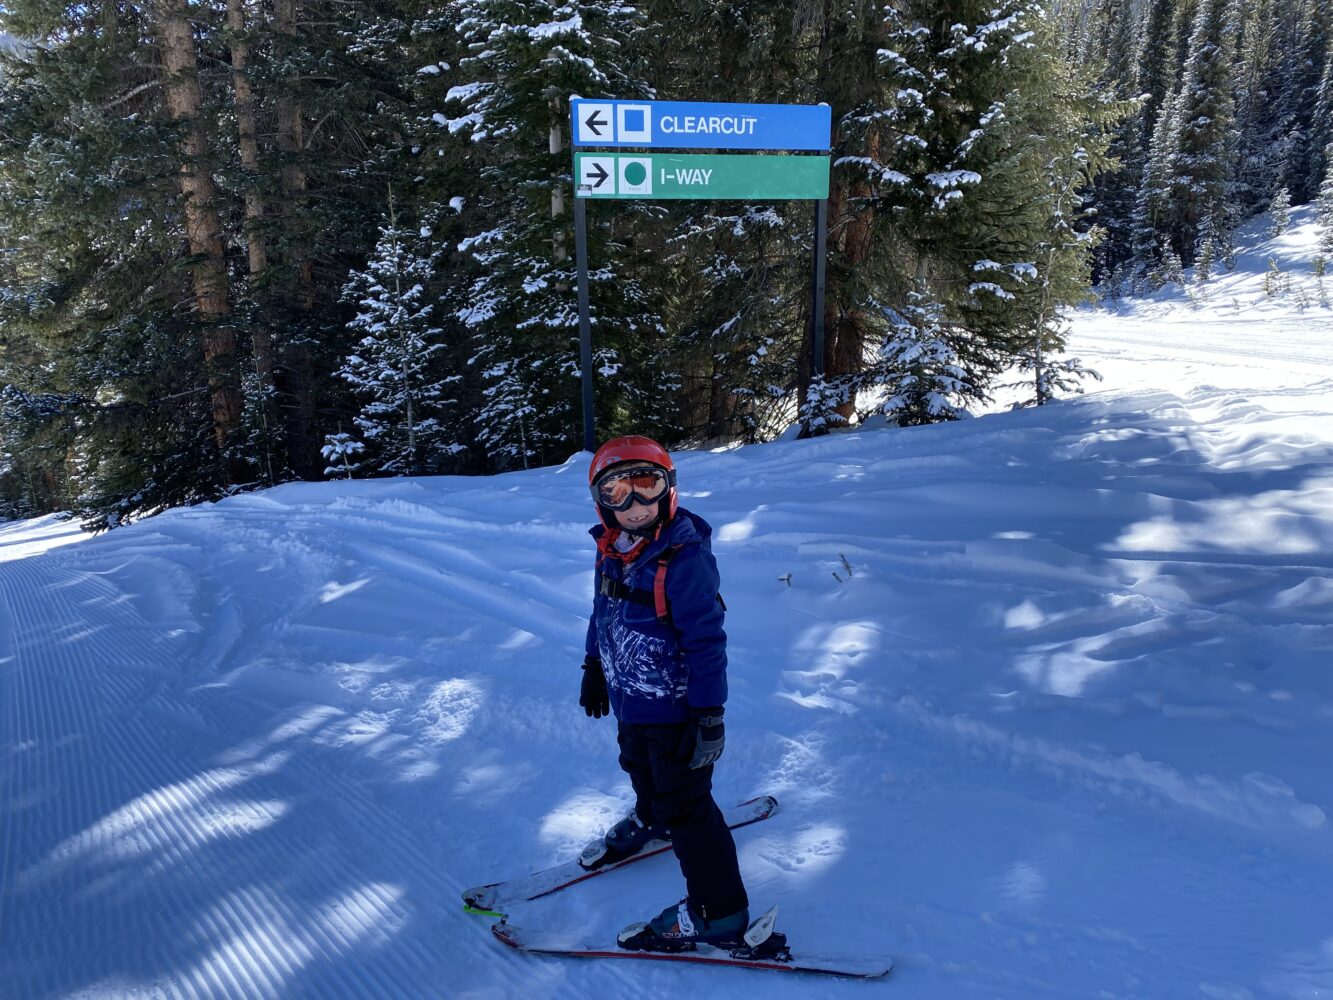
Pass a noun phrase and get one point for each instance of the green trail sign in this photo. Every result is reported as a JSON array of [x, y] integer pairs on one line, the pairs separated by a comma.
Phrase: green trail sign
[[670, 175]]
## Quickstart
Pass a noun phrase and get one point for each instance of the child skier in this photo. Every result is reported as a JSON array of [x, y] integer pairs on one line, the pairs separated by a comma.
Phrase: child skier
[[657, 657]]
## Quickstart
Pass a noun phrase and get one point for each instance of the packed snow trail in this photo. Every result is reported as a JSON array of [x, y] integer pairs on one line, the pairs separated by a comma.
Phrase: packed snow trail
[[1045, 696]]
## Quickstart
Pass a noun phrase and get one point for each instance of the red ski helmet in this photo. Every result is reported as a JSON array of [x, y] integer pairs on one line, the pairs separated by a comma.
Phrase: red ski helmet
[[633, 448]]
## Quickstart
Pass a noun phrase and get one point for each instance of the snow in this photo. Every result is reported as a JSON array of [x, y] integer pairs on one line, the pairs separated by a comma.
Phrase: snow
[[1045, 697]]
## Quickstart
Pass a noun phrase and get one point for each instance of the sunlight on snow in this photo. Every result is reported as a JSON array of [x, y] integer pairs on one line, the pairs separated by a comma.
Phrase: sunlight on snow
[[1264, 523], [1024, 616], [276, 940], [449, 709], [333, 591], [798, 858], [1063, 672], [832, 652], [517, 640], [579, 818], [138, 829], [737, 531], [21, 539], [1022, 883], [834, 649]]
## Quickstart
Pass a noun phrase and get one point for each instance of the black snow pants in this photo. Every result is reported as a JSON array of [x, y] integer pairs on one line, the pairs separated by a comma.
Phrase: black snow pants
[[668, 792]]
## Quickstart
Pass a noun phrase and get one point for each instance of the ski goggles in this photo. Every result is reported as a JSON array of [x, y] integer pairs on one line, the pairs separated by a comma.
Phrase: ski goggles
[[618, 490]]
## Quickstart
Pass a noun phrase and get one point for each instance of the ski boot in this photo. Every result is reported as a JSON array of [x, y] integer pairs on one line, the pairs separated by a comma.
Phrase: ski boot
[[680, 928], [627, 838]]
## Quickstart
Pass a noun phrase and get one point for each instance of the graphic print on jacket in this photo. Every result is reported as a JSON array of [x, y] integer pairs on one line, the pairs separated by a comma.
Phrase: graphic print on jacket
[[655, 671], [647, 667]]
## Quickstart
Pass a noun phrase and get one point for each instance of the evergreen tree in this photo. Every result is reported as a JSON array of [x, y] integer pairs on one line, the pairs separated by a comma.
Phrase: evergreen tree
[[1159, 66], [989, 131], [126, 275], [1305, 68], [1156, 69], [1259, 124], [525, 59], [921, 365], [1279, 211], [394, 365], [1112, 47], [1321, 119], [1188, 182], [92, 208], [339, 450], [1326, 207]]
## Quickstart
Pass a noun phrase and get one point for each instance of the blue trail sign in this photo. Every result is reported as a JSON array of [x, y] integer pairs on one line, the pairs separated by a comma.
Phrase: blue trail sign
[[701, 125]]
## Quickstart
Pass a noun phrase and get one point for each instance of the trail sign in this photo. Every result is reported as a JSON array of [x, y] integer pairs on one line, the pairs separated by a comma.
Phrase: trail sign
[[651, 128], [701, 125], [666, 175]]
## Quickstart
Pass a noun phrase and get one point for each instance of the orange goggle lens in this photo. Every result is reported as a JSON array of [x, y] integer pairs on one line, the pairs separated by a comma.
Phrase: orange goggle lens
[[619, 491]]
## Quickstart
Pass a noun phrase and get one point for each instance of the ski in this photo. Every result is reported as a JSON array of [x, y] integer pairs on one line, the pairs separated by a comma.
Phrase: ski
[[485, 898], [781, 958]]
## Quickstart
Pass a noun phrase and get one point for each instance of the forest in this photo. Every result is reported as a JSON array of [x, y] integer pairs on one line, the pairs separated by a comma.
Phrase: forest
[[245, 242]]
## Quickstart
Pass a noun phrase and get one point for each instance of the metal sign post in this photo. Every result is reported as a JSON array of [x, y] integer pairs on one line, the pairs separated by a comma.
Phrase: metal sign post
[[585, 321], [817, 295], [658, 125]]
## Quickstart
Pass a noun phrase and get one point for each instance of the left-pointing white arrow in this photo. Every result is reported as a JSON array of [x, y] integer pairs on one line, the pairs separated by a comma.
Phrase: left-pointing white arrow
[[593, 124]]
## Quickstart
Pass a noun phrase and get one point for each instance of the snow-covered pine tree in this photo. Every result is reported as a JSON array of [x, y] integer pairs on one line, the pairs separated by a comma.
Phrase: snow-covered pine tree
[[1279, 212], [394, 367], [1155, 80], [1305, 63], [1112, 45], [1206, 252], [1259, 123], [1326, 207], [1321, 121], [339, 450], [918, 363], [525, 59], [985, 121], [1197, 155]]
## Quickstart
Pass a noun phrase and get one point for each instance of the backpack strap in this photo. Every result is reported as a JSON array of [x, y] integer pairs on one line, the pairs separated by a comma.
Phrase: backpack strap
[[660, 604], [622, 592], [657, 599]]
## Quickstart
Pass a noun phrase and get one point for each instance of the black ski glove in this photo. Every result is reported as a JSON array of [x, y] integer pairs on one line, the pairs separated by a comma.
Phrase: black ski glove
[[592, 695], [704, 737]]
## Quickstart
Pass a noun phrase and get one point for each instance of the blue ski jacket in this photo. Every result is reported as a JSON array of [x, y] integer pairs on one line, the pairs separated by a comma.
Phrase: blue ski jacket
[[656, 671]]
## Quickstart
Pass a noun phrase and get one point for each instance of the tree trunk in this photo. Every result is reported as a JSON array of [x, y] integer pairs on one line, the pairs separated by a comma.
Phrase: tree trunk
[[202, 225], [851, 234], [257, 250], [298, 381], [559, 250], [851, 222]]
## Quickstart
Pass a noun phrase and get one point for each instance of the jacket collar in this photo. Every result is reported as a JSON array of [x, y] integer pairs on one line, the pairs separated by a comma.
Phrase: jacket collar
[[682, 529]]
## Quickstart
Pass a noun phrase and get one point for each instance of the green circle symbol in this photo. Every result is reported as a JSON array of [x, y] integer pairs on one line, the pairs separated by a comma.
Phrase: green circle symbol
[[635, 173]]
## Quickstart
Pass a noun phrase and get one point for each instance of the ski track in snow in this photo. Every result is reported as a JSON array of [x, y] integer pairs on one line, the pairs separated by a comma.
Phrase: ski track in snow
[[1044, 695]]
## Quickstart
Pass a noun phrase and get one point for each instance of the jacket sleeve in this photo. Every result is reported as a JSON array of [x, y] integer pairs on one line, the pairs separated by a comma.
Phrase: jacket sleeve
[[692, 586], [590, 647]]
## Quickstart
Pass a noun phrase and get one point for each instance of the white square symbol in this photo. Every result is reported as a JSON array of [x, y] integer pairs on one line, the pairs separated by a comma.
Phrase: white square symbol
[[597, 175], [636, 174], [595, 122], [634, 124]]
